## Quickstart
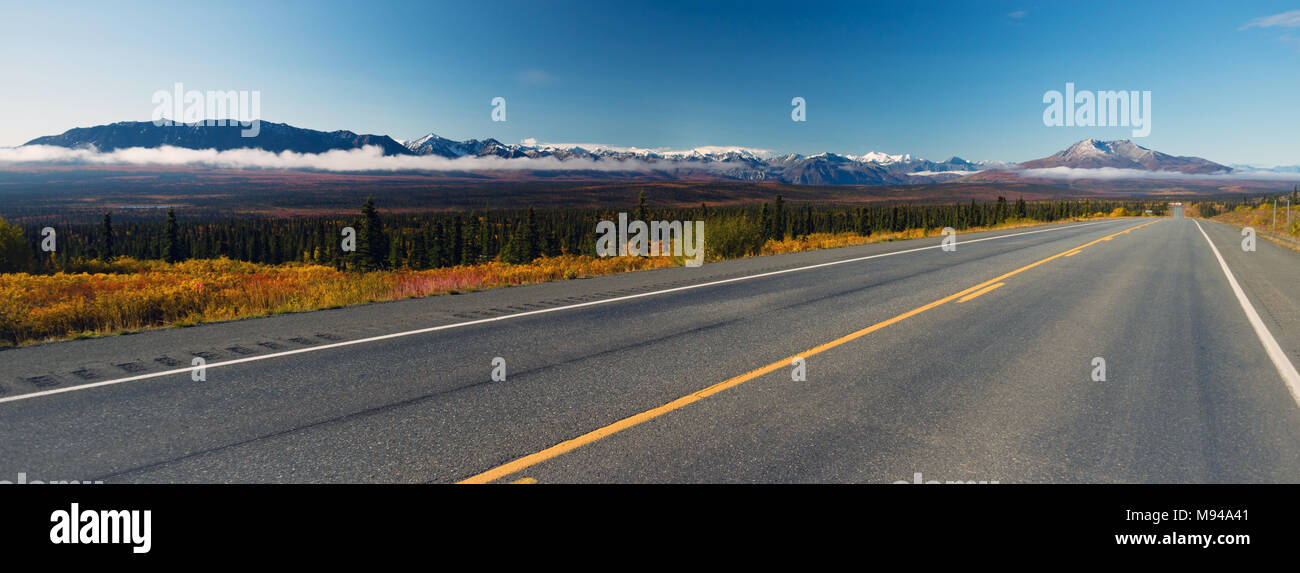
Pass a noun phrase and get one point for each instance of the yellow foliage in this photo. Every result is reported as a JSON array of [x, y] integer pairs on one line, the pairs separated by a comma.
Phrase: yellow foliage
[[834, 240], [144, 294]]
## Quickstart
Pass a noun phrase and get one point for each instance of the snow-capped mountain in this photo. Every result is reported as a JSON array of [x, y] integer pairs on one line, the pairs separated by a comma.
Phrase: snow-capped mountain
[[1123, 154], [880, 158], [433, 144]]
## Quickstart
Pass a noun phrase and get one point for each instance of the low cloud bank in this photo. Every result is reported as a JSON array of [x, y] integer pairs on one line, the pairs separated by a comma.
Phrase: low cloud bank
[[1114, 173], [369, 158]]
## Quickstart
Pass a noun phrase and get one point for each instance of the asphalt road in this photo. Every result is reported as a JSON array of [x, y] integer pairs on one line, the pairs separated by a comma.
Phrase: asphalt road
[[906, 373]]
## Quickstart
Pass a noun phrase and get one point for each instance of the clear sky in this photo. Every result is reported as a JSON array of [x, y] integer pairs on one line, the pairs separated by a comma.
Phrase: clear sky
[[933, 79]]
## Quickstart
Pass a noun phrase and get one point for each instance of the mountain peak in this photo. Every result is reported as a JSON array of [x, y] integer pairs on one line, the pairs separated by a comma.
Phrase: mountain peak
[[1122, 154], [881, 158], [422, 140]]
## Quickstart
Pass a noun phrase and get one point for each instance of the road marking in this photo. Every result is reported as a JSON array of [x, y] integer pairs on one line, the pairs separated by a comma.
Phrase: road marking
[[630, 421], [983, 290], [1275, 352], [31, 395], [525, 481], [1072, 253]]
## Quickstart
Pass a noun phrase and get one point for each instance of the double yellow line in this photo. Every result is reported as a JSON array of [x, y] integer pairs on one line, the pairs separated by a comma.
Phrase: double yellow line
[[598, 434]]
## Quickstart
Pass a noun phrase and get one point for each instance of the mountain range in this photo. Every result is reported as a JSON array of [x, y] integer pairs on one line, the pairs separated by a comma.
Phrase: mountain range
[[726, 164]]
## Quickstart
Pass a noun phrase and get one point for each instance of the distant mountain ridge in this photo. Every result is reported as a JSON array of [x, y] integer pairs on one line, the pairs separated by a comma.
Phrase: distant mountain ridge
[[1273, 169], [275, 137], [700, 164]]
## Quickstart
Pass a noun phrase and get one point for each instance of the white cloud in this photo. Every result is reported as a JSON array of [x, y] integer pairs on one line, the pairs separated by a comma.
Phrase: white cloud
[[1113, 173], [1018, 14], [369, 158], [1284, 20]]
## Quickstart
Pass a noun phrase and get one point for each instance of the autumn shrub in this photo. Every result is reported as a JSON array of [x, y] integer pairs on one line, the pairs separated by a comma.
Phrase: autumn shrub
[[129, 295]]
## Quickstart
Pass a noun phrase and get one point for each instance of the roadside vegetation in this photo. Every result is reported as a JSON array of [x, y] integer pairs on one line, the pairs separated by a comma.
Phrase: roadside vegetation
[[105, 278], [1267, 215]]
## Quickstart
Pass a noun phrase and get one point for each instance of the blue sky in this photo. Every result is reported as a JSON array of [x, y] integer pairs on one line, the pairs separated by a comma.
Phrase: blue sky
[[933, 79]]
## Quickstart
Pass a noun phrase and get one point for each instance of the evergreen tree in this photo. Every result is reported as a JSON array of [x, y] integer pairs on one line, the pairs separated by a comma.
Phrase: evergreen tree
[[106, 245], [251, 249], [471, 249], [486, 240], [267, 247], [274, 249], [778, 219], [457, 243], [372, 243], [420, 249], [396, 251], [765, 222], [440, 248], [171, 247], [532, 239], [516, 249], [550, 244]]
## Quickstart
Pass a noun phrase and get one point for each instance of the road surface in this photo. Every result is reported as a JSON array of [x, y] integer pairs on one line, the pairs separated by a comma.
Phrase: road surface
[[971, 365]]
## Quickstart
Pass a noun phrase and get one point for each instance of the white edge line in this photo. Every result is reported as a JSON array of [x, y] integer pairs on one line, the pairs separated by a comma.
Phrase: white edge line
[[509, 316], [1275, 352]]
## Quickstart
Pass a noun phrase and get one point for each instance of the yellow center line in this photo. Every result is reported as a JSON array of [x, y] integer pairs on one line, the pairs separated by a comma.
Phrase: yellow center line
[[1072, 253], [525, 481], [981, 291], [630, 421]]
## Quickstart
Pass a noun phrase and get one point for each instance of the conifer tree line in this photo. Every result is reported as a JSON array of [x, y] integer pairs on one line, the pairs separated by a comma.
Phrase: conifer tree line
[[444, 239], [1217, 206]]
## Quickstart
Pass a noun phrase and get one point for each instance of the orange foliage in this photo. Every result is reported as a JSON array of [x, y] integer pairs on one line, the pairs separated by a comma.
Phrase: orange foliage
[[145, 294]]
